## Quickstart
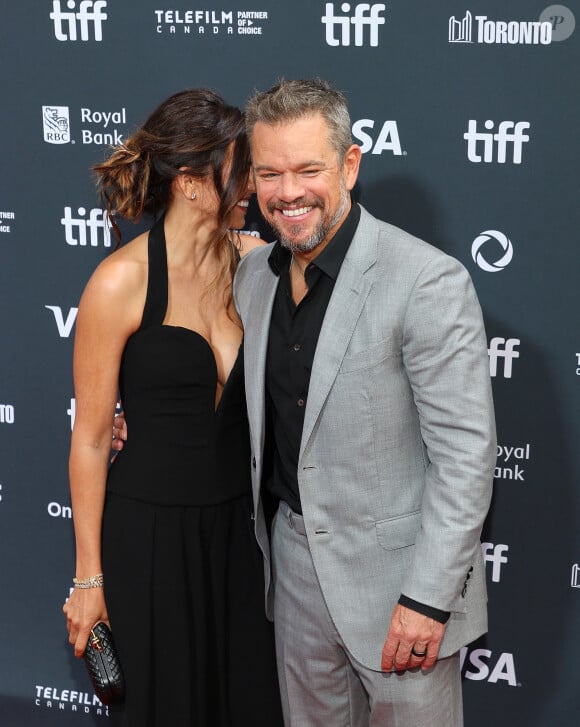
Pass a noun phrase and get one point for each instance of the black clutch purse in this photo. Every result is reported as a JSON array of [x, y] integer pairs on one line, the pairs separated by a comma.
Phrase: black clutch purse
[[103, 665]]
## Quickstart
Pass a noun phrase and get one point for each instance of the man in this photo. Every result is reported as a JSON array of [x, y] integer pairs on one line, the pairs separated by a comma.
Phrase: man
[[371, 423]]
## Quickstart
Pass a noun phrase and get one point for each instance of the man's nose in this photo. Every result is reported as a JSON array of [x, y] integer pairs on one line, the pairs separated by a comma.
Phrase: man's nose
[[291, 187]]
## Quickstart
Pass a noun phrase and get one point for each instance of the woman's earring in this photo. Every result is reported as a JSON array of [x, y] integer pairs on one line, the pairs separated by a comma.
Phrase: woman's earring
[[193, 195]]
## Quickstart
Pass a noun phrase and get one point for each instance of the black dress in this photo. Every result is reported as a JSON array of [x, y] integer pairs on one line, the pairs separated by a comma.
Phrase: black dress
[[183, 573]]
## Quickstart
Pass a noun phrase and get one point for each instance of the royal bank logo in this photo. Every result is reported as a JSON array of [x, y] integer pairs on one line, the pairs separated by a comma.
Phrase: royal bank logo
[[483, 665], [511, 462], [210, 22], [363, 19], [81, 21], [492, 251], [89, 228], [492, 32], [385, 139], [502, 145], [502, 349], [56, 124], [99, 127]]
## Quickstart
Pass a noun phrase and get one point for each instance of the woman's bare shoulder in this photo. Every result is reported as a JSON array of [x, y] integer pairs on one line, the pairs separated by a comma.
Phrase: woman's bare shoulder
[[122, 275], [246, 243]]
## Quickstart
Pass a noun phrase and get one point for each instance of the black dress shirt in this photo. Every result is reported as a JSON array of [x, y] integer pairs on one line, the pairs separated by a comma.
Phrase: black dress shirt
[[294, 331]]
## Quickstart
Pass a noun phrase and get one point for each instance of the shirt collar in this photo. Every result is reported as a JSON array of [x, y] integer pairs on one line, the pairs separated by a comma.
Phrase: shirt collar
[[332, 257]]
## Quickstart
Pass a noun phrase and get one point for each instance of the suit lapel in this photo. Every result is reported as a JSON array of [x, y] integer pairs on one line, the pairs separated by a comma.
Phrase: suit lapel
[[344, 309]]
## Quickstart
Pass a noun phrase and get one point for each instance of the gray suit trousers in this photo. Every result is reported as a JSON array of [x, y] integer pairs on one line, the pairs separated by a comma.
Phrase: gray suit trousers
[[322, 685]]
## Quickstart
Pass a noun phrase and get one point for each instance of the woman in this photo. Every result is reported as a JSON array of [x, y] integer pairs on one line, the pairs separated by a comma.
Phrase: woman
[[169, 526]]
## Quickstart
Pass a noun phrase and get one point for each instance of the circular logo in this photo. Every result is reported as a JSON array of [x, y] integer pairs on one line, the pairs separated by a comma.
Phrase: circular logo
[[504, 243], [561, 19]]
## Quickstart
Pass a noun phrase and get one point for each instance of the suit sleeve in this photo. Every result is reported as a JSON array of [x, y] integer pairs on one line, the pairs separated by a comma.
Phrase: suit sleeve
[[446, 361]]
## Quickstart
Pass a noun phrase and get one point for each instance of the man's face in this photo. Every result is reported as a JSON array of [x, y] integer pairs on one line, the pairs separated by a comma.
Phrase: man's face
[[303, 191]]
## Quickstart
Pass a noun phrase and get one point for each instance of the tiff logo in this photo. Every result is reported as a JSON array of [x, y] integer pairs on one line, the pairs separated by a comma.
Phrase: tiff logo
[[495, 554], [460, 30], [98, 222], [365, 14], [90, 12], [508, 133], [502, 348]]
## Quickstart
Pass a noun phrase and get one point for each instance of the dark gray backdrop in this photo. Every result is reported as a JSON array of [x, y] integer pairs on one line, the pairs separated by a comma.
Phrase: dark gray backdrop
[[419, 76]]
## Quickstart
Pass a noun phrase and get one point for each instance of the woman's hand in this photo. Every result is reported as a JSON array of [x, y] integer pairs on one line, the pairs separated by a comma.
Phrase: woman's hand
[[84, 608]]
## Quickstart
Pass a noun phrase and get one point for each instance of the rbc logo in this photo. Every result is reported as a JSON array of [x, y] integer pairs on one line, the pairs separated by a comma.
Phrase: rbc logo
[[97, 221], [508, 133], [56, 124], [89, 12], [502, 348], [364, 14]]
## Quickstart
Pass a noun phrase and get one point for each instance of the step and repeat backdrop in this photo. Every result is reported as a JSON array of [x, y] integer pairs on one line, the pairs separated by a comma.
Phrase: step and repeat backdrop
[[468, 114]]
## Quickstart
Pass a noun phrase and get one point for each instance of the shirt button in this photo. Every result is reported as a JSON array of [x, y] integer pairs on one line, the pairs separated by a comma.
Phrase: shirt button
[[300, 402], [296, 347]]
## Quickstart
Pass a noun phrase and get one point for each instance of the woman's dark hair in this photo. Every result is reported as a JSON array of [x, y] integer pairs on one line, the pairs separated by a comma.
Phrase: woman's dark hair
[[188, 133]]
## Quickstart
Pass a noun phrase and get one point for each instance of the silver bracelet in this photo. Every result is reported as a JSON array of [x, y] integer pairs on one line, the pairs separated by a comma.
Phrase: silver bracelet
[[92, 582]]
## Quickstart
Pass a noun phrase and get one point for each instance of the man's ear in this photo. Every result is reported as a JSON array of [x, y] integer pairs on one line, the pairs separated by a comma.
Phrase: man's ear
[[351, 165]]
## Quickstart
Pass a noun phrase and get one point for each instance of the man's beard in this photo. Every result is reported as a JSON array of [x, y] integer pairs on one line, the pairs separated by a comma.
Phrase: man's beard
[[322, 229]]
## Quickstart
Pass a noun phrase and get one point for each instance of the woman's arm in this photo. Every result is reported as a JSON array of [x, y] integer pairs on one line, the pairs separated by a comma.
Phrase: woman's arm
[[109, 312]]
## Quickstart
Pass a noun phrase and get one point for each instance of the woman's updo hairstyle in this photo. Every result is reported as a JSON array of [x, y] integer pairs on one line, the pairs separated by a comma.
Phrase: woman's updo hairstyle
[[191, 130]]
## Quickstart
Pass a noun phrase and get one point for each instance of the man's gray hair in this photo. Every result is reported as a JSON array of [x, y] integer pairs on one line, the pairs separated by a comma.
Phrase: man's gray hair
[[291, 100]]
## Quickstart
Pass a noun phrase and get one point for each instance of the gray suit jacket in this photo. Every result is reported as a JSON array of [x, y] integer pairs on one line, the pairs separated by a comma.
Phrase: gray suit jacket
[[398, 447]]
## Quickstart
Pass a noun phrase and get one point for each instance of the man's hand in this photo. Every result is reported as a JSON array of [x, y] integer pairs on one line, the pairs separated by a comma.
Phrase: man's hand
[[119, 432], [413, 640]]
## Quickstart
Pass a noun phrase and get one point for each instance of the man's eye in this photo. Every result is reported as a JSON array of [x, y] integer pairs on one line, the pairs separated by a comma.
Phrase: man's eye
[[268, 175], [310, 172]]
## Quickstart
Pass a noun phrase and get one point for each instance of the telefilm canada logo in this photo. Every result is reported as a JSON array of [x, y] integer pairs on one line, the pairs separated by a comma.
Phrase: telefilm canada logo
[[492, 251], [80, 21], [69, 700], [364, 19], [103, 128], [211, 22]]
